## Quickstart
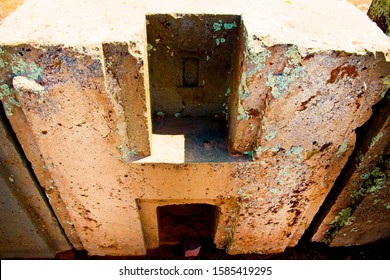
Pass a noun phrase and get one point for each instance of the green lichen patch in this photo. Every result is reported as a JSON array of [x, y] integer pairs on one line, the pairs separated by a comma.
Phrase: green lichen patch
[[8, 98], [243, 89], [297, 151], [372, 181], [35, 71], [343, 218], [242, 114], [219, 41], [228, 26], [294, 56], [257, 58], [379, 13], [375, 139], [271, 135], [294, 70], [217, 25], [250, 154], [386, 81], [343, 148], [274, 190], [126, 152], [18, 66], [8, 109]]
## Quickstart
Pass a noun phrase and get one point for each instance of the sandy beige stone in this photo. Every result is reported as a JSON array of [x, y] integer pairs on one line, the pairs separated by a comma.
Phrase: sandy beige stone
[[302, 80]]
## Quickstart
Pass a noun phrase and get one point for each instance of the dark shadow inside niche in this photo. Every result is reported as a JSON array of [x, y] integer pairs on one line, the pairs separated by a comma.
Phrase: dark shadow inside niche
[[196, 222]]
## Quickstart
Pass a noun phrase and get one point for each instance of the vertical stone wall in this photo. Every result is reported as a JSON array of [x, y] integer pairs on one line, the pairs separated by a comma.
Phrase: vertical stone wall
[[28, 228], [358, 211]]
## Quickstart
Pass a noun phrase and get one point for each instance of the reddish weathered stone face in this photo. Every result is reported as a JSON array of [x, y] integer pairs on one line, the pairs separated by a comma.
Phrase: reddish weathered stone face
[[290, 90]]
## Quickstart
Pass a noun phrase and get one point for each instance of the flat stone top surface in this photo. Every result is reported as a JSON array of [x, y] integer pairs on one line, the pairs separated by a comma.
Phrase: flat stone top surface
[[318, 25]]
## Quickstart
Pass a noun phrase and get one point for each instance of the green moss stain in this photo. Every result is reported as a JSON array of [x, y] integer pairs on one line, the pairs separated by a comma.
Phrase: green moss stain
[[261, 149], [343, 218], [18, 66], [150, 47], [7, 96], [293, 71], [343, 148], [4, 91], [354, 229], [386, 81], [243, 89], [271, 135], [293, 54], [126, 152], [219, 41], [242, 114], [217, 25], [379, 12], [296, 151], [375, 139], [35, 71], [250, 154], [372, 181], [274, 190], [276, 148], [8, 109], [228, 26], [257, 59]]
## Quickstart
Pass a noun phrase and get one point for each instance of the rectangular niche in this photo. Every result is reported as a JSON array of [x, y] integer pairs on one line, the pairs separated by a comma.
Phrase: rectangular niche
[[190, 64], [195, 221], [169, 221], [190, 59]]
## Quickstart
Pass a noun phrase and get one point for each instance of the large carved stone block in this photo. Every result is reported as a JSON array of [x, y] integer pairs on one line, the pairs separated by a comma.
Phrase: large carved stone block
[[248, 108]]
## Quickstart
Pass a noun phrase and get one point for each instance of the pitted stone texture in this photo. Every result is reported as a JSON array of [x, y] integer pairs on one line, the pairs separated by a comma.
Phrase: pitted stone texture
[[125, 74], [361, 212], [302, 89], [28, 227]]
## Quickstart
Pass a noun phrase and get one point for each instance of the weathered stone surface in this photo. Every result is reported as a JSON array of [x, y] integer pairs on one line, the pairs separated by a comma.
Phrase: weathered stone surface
[[8, 6], [3, 12], [361, 212], [77, 95], [28, 228], [363, 5], [379, 12]]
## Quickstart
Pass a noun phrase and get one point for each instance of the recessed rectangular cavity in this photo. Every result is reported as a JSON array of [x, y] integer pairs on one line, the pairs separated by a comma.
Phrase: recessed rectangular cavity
[[190, 64], [190, 72], [195, 221], [190, 60]]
